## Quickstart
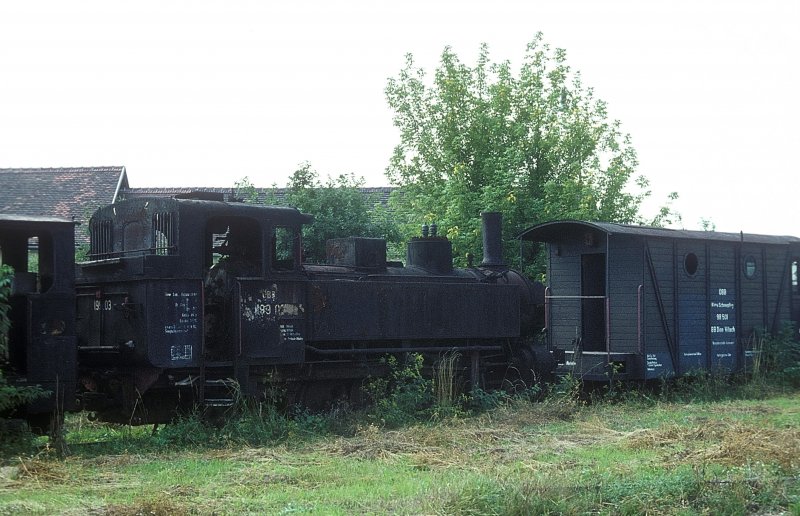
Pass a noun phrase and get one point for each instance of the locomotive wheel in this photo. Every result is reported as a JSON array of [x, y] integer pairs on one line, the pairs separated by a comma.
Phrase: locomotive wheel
[[43, 423], [322, 394], [529, 367], [520, 372]]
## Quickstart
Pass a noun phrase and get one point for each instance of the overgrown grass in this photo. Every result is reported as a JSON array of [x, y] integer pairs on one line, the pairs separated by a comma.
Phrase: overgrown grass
[[704, 444], [559, 456]]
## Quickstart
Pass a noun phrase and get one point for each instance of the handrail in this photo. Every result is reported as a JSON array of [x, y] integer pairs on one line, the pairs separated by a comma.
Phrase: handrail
[[575, 297], [121, 254]]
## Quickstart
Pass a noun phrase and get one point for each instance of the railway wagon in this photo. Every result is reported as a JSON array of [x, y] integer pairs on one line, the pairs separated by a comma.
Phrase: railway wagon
[[42, 339], [644, 303]]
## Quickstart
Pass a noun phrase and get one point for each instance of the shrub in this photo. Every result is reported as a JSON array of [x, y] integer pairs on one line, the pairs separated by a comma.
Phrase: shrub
[[10, 396], [12, 434], [402, 397], [776, 358]]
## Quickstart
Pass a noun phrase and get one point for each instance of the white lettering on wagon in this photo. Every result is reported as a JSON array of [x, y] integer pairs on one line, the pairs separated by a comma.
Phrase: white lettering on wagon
[[722, 323], [263, 306], [290, 333], [182, 312], [653, 363]]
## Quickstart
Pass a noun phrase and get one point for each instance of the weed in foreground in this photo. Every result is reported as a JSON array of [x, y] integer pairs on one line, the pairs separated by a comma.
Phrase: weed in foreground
[[776, 358], [403, 397]]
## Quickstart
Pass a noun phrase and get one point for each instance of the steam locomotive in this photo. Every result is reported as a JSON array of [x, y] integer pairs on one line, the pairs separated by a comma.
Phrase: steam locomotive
[[182, 299]]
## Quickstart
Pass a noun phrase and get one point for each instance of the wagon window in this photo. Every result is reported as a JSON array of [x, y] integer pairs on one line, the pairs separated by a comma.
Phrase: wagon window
[[795, 287], [39, 274], [749, 267], [690, 264], [33, 255]]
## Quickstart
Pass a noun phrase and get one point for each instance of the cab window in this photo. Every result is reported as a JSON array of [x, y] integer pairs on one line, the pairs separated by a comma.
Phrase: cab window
[[164, 234], [234, 240], [285, 248]]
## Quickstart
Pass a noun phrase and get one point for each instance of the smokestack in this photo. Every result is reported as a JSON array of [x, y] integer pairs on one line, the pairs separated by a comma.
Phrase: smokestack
[[492, 238]]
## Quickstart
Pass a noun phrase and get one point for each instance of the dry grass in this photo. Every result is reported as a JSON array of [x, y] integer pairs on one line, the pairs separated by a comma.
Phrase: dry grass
[[430, 446], [158, 507], [724, 442], [41, 471], [506, 436]]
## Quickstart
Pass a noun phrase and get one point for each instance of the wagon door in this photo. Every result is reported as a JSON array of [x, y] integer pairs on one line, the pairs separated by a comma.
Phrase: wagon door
[[593, 310]]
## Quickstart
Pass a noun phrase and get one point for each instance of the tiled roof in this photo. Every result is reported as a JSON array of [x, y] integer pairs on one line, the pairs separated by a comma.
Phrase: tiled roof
[[67, 192], [76, 192]]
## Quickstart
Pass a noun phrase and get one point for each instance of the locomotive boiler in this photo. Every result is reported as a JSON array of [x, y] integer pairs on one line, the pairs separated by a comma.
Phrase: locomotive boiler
[[184, 298]]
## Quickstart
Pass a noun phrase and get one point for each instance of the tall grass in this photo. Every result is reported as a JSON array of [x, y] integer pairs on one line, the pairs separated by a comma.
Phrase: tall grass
[[406, 397], [445, 381], [776, 358]]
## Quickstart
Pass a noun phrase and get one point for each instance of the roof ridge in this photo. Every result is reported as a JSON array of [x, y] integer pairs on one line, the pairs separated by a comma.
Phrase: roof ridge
[[109, 168]]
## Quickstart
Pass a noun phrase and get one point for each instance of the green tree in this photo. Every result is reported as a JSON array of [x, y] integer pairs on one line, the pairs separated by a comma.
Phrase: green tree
[[339, 207], [6, 277], [536, 145], [245, 190]]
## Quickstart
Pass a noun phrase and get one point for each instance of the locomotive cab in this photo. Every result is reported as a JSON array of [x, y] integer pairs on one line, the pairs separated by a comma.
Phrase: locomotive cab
[[159, 300]]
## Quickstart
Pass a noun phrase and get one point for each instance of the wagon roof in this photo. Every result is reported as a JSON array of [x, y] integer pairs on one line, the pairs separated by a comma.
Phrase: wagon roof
[[15, 218], [558, 230], [211, 207]]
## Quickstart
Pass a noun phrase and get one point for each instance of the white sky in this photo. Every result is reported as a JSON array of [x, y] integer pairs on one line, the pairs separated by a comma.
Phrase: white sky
[[203, 93]]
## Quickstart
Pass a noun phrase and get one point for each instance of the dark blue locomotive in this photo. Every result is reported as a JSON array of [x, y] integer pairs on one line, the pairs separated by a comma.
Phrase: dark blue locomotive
[[182, 298]]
